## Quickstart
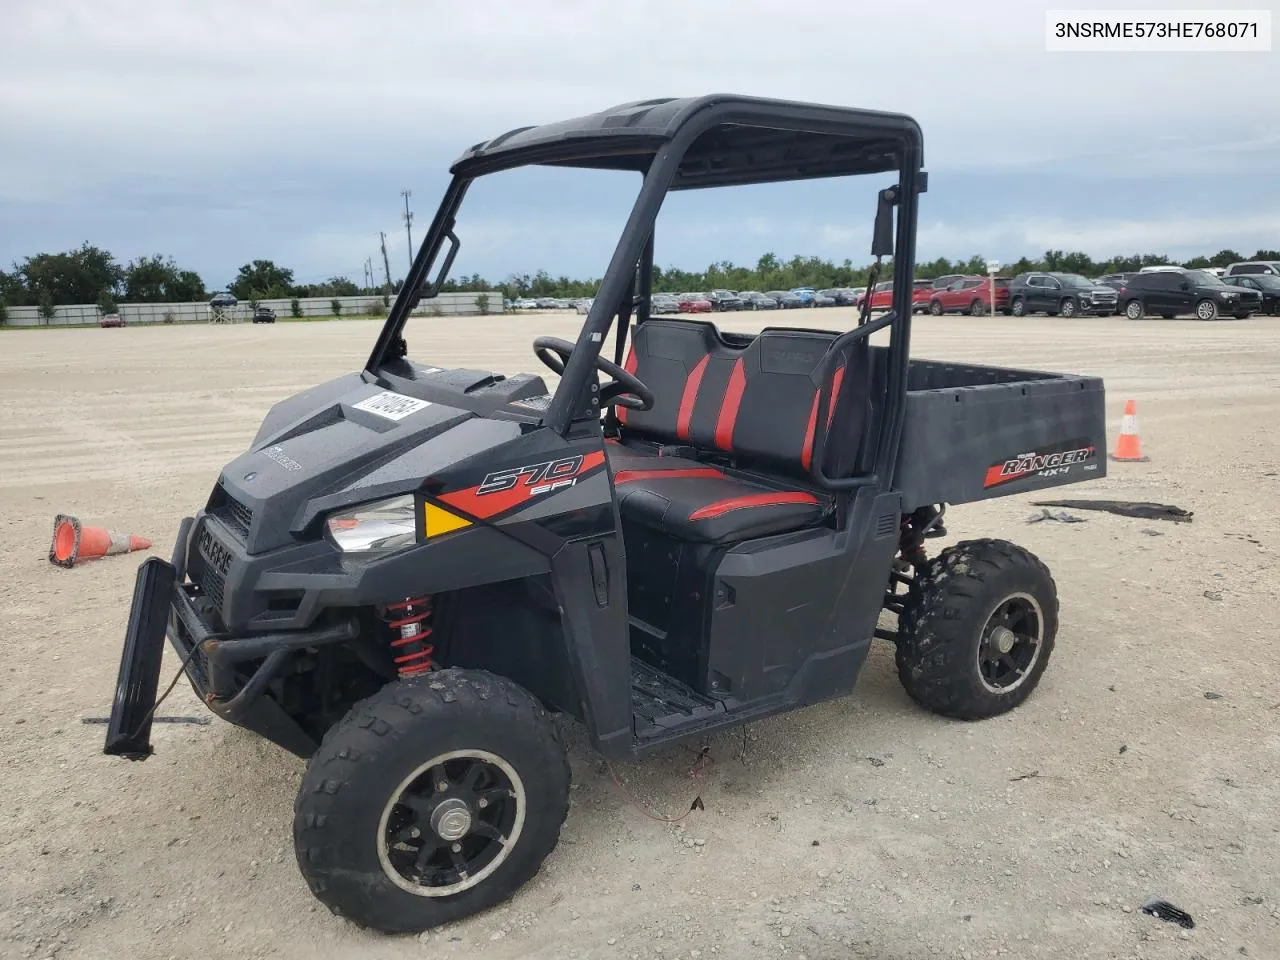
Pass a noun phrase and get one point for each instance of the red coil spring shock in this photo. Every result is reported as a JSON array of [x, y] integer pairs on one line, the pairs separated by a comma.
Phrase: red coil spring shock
[[411, 649]]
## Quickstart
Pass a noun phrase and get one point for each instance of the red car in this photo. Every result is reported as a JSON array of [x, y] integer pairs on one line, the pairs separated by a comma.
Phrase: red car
[[112, 320], [970, 295], [921, 293], [881, 295], [695, 303]]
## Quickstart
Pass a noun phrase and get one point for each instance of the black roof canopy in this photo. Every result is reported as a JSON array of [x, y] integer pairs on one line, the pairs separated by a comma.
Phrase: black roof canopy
[[736, 140]]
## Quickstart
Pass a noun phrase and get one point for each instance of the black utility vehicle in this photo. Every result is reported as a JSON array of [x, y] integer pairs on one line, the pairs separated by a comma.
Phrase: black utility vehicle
[[1172, 293], [1060, 295], [411, 567], [264, 315]]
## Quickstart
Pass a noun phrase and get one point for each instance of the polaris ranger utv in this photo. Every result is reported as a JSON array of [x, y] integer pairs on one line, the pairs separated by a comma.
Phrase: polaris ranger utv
[[412, 567]]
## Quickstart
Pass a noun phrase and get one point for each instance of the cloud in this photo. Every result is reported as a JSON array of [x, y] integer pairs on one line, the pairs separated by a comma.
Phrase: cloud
[[224, 131]]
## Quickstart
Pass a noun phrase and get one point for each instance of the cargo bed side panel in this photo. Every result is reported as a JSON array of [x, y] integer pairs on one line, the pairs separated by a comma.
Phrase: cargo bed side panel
[[973, 433]]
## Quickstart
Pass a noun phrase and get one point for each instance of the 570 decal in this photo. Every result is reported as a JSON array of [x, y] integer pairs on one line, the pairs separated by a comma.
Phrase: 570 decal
[[541, 477], [502, 492]]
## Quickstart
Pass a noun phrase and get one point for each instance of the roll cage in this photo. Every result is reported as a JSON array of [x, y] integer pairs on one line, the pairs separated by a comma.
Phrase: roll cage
[[688, 144]]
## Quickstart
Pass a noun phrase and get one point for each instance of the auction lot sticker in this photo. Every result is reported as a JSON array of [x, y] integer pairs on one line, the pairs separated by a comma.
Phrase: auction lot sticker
[[393, 406]]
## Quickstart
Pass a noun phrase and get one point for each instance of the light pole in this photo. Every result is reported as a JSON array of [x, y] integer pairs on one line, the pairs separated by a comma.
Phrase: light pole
[[408, 219]]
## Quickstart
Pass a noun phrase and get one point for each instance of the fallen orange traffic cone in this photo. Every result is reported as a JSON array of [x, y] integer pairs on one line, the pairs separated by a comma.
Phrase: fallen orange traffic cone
[[72, 542], [1128, 444]]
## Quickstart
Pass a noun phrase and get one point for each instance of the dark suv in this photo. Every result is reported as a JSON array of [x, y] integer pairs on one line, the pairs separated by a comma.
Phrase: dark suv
[[725, 300], [1059, 294], [1171, 293]]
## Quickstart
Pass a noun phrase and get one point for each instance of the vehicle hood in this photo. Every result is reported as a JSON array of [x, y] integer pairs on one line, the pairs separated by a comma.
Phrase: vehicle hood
[[343, 443]]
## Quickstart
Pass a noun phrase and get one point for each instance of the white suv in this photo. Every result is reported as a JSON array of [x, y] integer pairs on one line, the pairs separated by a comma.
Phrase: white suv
[[1255, 267]]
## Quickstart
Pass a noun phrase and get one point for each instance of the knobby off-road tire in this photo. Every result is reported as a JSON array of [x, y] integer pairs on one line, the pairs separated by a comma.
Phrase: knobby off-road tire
[[951, 652], [376, 780]]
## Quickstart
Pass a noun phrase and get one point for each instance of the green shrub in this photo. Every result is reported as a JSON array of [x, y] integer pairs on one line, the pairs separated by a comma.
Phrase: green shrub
[[168, 316], [375, 310], [336, 307], [106, 303], [46, 309], [4, 313], [482, 303], [434, 311], [386, 300], [295, 307]]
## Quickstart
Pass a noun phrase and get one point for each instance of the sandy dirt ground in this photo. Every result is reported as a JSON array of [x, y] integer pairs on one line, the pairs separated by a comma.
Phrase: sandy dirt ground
[[1146, 764]]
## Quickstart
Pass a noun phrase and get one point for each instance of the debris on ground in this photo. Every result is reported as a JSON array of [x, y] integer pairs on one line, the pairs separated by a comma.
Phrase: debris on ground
[[1210, 695], [202, 721], [1059, 517], [1125, 508], [1213, 594], [1166, 911]]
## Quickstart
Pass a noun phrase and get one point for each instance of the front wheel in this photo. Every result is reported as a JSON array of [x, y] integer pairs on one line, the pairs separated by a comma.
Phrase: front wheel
[[976, 630], [1068, 308], [1206, 310], [1019, 307], [433, 799]]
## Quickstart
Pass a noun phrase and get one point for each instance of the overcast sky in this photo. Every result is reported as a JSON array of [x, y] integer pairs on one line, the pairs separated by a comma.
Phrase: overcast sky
[[227, 131]]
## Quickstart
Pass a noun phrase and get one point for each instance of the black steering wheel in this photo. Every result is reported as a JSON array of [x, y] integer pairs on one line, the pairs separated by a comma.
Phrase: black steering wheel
[[625, 389]]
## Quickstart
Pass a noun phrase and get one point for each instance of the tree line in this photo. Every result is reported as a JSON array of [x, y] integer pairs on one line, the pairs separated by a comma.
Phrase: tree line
[[89, 274]]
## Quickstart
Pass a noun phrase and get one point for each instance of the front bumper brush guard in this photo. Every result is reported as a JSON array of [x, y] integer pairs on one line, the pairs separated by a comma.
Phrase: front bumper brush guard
[[162, 606]]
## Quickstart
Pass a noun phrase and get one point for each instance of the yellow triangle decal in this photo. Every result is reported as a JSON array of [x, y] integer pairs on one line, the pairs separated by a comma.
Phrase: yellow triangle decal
[[438, 521]]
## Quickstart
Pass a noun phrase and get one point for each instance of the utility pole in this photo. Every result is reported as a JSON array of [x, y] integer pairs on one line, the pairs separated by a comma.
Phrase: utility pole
[[386, 264], [408, 220]]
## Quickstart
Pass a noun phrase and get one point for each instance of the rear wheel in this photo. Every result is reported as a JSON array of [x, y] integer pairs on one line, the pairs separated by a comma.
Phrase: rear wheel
[[976, 630], [1133, 310], [1206, 310], [433, 799], [977, 309], [935, 308]]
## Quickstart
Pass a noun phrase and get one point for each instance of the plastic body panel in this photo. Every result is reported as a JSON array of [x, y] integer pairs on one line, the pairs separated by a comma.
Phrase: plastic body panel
[[976, 432]]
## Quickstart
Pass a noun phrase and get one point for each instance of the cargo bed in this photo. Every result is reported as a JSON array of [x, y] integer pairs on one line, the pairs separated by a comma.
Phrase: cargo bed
[[975, 432]]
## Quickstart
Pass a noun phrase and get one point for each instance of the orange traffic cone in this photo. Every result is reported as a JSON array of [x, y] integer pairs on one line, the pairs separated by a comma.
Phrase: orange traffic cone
[[1128, 444], [73, 542]]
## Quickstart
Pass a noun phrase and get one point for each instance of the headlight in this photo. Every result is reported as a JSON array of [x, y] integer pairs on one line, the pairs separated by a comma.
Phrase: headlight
[[382, 526]]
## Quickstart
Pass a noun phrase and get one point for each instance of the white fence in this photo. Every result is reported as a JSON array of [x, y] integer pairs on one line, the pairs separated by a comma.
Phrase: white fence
[[448, 304]]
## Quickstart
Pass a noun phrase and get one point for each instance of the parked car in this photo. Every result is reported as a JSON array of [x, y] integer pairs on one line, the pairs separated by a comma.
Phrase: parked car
[[843, 296], [806, 295], [946, 280], [821, 299], [223, 300], [754, 300], [725, 300], [1170, 293], [663, 303], [111, 320], [695, 303], [1267, 284], [264, 315], [786, 299], [882, 295], [1254, 267], [971, 295], [1060, 294], [584, 305], [921, 294], [526, 303]]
